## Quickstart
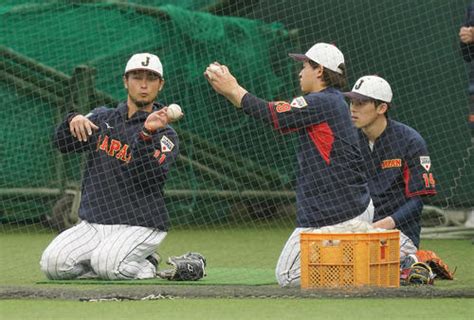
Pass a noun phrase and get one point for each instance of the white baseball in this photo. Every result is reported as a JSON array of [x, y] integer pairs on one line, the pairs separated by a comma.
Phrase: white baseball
[[214, 68], [174, 112]]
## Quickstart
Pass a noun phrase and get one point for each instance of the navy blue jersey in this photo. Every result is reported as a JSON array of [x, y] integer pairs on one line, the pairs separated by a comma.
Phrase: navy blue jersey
[[399, 172], [331, 182], [125, 171]]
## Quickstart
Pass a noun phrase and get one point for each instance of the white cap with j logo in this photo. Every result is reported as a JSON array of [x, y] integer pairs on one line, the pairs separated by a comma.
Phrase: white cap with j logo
[[145, 61]]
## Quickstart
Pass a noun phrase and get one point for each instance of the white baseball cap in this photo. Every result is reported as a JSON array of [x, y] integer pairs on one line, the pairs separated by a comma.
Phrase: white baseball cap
[[325, 54], [145, 61], [371, 87]]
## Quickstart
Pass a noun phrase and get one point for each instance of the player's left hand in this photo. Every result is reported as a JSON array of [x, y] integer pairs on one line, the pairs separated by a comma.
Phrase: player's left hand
[[157, 120]]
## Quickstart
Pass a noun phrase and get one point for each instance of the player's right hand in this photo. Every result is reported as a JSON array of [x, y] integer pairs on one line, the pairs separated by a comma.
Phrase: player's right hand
[[81, 127], [157, 120], [466, 35]]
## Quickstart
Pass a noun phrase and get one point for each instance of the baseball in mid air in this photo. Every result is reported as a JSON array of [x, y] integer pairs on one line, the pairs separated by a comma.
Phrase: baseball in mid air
[[174, 112]]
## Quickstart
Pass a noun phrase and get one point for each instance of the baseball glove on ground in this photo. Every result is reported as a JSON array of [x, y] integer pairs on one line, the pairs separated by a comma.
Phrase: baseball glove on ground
[[418, 274], [188, 267], [439, 267]]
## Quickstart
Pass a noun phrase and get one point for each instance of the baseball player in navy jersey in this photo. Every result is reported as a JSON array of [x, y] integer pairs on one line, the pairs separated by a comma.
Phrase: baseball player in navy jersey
[[397, 162], [331, 185], [123, 216]]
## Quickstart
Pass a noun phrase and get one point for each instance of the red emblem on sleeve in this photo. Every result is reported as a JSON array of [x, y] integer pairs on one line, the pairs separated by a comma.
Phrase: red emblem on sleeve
[[282, 106]]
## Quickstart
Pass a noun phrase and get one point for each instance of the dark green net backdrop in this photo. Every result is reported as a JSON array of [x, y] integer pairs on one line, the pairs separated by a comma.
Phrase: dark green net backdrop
[[232, 167]]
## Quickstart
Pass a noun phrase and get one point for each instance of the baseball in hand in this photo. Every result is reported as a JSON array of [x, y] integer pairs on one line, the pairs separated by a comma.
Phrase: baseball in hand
[[213, 68], [174, 112]]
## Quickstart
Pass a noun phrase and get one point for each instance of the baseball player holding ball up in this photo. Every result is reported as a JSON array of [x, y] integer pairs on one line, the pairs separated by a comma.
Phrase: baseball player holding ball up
[[397, 162], [130, 151], [331, 184]]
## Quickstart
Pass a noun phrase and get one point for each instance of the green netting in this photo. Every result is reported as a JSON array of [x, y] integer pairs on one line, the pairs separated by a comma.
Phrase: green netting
[[186, 4], [233, 174], [413, 44], [103, 36]]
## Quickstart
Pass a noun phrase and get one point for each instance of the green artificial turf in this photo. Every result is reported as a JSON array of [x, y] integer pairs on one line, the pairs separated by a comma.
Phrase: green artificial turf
[[234, 256], [227, 309]]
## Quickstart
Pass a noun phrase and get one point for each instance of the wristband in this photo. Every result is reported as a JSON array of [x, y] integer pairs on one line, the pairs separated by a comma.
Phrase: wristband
[[146, 134]]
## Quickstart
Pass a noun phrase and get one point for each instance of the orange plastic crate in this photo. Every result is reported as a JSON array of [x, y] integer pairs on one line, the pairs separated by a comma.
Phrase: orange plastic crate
[[350, 259]]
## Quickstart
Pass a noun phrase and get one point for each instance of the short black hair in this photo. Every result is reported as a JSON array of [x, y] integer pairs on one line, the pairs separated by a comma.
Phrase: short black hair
[[332, 78]]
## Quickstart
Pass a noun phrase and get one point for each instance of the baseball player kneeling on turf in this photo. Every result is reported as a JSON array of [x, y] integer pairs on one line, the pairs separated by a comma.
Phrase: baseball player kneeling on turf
[[331, 184], [396, 159], [123, 215]]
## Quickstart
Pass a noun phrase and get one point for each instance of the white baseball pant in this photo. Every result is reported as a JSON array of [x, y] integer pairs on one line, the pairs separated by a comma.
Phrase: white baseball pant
[[108, 251]]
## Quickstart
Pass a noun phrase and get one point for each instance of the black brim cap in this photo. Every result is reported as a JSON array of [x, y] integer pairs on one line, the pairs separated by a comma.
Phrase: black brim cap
[[298, 56], [360, 97]]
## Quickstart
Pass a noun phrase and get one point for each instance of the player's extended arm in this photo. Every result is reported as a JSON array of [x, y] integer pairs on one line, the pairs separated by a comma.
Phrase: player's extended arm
[[279, 114], [409, 211]]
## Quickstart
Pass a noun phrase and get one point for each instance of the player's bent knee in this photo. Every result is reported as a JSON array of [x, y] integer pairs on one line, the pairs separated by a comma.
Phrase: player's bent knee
[[56, 268]]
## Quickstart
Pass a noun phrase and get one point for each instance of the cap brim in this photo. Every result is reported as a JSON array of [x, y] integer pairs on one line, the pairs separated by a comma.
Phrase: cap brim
[[144, 69], [298, 56], [356, 96]]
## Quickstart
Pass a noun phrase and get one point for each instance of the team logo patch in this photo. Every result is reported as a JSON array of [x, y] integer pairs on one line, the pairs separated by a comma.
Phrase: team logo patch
[[299, 102], [282, 106], [391, 163], [425, 162], [358, 85], [166, 144]]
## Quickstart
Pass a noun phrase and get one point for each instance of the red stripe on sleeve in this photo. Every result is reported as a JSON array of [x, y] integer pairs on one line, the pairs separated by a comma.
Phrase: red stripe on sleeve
[[323, 138]]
